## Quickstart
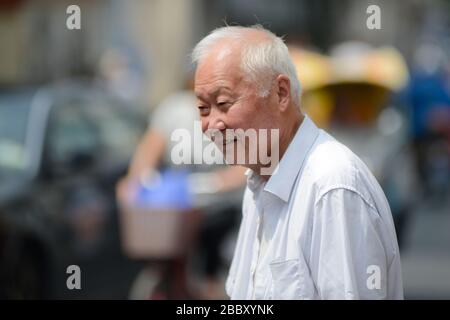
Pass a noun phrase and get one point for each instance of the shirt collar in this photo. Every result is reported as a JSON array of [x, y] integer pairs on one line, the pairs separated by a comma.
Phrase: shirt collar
[[282, 180]]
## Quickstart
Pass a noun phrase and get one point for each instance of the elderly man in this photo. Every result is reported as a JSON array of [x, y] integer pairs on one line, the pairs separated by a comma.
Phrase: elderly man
[[319, 225]]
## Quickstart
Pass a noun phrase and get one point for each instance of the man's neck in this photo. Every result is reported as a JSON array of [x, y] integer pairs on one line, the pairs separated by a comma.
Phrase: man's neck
[[289, 135], [285, 140]]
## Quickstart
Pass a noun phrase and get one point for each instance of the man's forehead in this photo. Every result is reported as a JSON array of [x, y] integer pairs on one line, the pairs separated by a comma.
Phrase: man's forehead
[[214, 77]]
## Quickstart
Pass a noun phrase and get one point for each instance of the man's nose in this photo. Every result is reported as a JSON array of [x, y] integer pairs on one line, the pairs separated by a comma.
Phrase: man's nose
[[215, 121]]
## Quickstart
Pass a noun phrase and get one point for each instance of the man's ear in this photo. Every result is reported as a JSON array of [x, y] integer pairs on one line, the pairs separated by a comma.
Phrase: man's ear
[[283, 91]]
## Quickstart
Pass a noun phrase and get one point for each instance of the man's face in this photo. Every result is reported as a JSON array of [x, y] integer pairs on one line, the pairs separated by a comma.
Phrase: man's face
[[227, 101]]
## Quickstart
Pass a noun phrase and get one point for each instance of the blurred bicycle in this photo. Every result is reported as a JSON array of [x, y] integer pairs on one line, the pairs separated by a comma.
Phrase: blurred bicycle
[[161, 216]]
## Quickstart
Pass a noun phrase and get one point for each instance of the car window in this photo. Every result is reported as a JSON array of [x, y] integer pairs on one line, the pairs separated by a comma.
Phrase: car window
[[71, 133], [14, 112], [118, 131]]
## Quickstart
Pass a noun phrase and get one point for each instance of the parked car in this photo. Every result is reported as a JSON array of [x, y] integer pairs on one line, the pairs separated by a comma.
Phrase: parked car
[[62, 149]]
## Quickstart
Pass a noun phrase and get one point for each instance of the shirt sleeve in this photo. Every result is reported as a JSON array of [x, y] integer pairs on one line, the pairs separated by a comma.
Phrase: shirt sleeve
[[347, 258]]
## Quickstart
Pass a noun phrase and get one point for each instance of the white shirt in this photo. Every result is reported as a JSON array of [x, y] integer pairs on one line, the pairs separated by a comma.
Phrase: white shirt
[[327, 230]]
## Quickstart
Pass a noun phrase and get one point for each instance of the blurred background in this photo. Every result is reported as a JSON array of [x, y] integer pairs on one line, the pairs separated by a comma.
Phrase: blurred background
[[85, 117]]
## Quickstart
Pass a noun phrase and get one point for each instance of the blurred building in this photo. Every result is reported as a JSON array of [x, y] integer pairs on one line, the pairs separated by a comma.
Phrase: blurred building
[[157, 35], [37, 47]]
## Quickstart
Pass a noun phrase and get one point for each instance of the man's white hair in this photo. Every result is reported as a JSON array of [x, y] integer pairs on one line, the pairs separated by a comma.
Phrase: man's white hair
[[261, 62]]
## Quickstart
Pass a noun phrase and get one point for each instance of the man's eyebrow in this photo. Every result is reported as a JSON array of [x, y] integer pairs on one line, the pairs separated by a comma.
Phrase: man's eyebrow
[[213, 93]]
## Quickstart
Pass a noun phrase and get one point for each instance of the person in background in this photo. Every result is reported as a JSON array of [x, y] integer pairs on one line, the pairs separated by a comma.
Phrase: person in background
[[153, 152], [428, 99]]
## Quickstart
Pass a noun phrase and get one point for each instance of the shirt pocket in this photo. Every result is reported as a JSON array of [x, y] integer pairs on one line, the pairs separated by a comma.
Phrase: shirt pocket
[[291, 280]]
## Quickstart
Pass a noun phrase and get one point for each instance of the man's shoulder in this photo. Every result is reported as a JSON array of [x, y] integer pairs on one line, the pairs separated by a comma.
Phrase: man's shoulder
[[330, 164]]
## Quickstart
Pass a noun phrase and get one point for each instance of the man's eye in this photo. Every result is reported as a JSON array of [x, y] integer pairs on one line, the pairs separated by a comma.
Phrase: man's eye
[[223, 103], [203, 110]]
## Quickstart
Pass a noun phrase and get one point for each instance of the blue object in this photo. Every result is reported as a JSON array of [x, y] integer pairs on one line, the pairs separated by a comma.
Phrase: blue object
[[424, 93], [169, 190]]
